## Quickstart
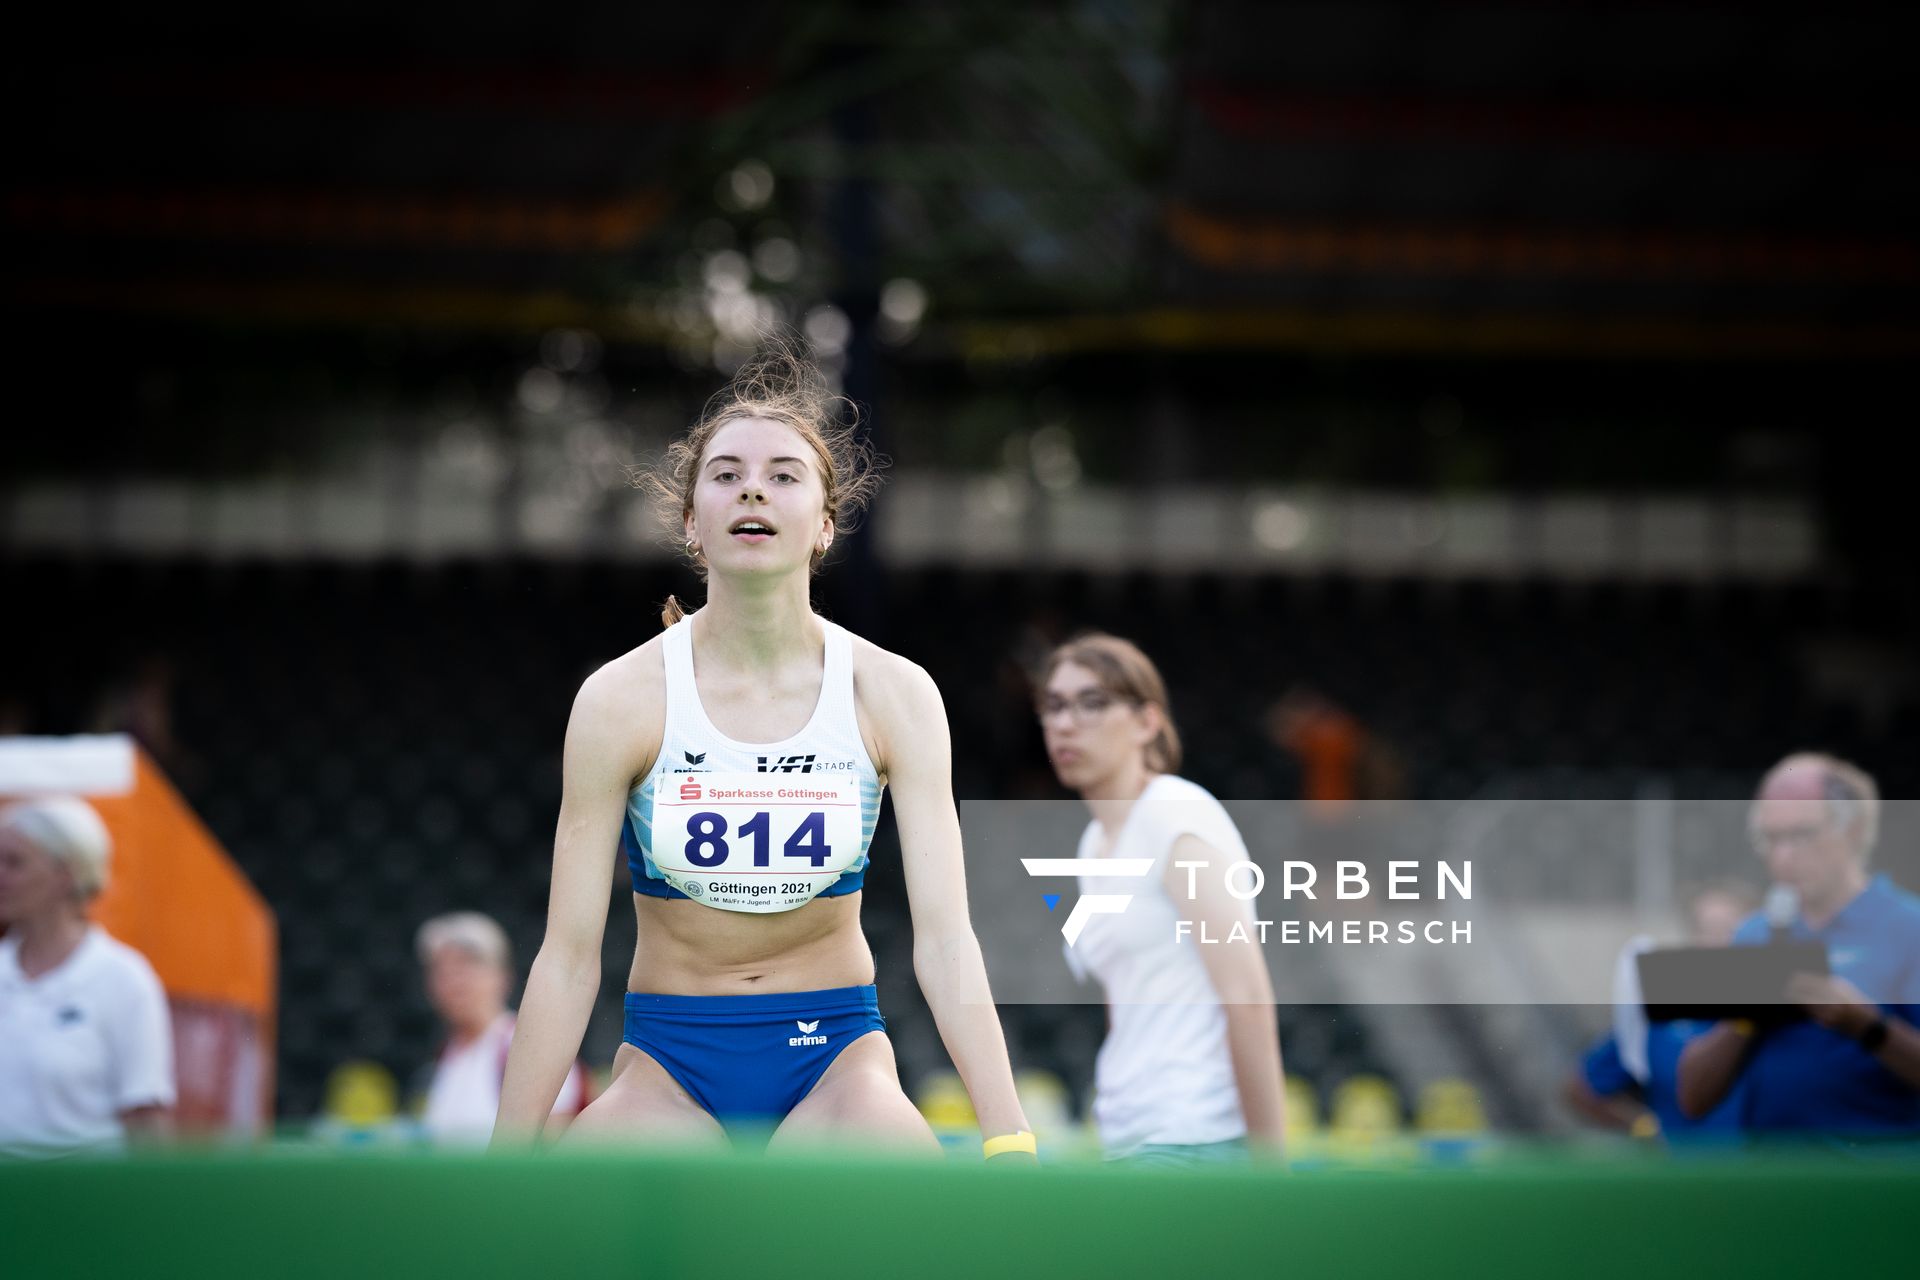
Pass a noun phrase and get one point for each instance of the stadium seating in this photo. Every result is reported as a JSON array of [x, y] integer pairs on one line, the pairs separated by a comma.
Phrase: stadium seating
[[378, 743]]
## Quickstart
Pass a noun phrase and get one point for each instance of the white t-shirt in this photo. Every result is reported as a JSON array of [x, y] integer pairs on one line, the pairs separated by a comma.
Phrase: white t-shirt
[[80, 1044], [464, 1098], [1164, 1074]]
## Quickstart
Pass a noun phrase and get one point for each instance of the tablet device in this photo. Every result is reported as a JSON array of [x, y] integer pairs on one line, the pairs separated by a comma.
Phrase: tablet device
[[1709, 983]]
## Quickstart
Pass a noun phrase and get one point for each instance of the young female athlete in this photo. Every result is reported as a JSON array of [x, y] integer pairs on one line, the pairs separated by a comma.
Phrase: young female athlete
[[1190, 1069], [736, 761]]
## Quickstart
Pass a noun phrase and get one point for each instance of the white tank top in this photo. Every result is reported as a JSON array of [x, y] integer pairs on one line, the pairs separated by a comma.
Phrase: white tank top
[[760, 843], [1164, 1074]]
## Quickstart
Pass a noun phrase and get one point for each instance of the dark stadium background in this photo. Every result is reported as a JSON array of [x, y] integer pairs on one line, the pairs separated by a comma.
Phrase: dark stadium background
[[1505, 252]]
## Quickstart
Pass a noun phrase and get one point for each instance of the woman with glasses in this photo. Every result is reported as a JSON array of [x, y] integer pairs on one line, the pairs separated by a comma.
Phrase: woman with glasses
[[1190, 1069]]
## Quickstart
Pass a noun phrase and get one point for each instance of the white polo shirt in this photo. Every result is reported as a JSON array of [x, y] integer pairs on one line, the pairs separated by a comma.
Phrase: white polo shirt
[[80, 1044], [464, 1098], [1164, 1074]]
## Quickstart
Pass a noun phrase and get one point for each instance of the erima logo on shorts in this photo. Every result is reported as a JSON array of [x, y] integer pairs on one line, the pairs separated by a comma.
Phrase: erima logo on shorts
[[1090, 904], [806, 1035]]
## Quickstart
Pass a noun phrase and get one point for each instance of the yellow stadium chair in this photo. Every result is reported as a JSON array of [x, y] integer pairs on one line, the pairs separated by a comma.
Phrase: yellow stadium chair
[[1365, 1119], [943, 1100], [1450, 1108], [360, 1095]]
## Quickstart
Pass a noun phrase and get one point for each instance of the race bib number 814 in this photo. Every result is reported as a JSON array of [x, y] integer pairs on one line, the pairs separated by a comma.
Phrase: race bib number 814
[[755, 841]]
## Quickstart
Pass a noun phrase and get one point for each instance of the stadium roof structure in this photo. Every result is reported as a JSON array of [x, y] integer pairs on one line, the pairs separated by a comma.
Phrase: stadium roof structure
[[1693, 179]]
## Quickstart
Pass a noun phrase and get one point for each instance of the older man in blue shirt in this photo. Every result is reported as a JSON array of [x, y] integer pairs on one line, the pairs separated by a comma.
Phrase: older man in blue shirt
[[1852, 1066]]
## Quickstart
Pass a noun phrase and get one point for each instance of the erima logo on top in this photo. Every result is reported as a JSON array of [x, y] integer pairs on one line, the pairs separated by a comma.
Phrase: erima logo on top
[[806, 1035], [1090, 904]]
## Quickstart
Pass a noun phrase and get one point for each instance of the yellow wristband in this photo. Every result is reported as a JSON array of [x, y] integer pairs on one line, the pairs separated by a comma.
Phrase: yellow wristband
[[1021, 1141], [1741, 1026]]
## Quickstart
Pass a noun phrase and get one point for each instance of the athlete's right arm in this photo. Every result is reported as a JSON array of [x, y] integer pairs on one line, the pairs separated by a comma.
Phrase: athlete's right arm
[[611, 738]]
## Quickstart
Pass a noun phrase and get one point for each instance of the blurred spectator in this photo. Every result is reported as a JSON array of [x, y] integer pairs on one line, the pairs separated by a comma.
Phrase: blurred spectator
[[86, 1042], [1190, 1070], [1326, 741], [469, 970], [1634, 1087], [1341, 760], [1851, 1067], [1341, 763]]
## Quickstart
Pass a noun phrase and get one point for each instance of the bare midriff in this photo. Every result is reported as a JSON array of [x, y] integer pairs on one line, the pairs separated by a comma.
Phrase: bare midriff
[[689, 949]]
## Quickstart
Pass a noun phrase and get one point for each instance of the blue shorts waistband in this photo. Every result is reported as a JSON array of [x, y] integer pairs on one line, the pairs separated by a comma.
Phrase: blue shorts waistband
[[830, 1000]]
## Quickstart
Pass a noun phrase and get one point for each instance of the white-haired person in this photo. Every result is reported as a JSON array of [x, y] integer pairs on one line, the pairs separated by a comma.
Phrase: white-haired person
[[86, 1041], [468, 965], [1850, 1068], [1190, 1070]]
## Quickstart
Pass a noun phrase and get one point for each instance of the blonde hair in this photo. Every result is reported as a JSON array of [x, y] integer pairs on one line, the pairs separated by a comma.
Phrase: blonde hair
[[1124, 671], [66, 829], [1852, 796], [782, 384]]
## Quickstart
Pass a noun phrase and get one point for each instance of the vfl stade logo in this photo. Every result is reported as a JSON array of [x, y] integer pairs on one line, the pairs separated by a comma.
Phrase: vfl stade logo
[[806, 1035], [787, 764], [1090, 904]]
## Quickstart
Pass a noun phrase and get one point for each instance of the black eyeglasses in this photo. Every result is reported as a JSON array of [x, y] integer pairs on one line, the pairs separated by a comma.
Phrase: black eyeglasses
[[1082, 708]]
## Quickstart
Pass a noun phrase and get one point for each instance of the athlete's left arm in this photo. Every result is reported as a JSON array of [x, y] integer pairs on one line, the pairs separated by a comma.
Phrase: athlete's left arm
[[909, 721], [1236, 965]]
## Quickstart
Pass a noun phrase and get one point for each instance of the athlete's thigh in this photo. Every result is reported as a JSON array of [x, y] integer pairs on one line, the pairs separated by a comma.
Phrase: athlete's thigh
[[644, 1104], [858, 1101]]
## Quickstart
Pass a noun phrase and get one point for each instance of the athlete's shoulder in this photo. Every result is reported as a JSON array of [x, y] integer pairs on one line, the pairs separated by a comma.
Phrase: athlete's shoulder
[[898, 705], [884, 676], [620, 711], [637, 676]]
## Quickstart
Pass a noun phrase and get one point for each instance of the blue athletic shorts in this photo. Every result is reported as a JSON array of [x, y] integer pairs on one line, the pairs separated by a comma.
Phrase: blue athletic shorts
[[750, 1058]]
